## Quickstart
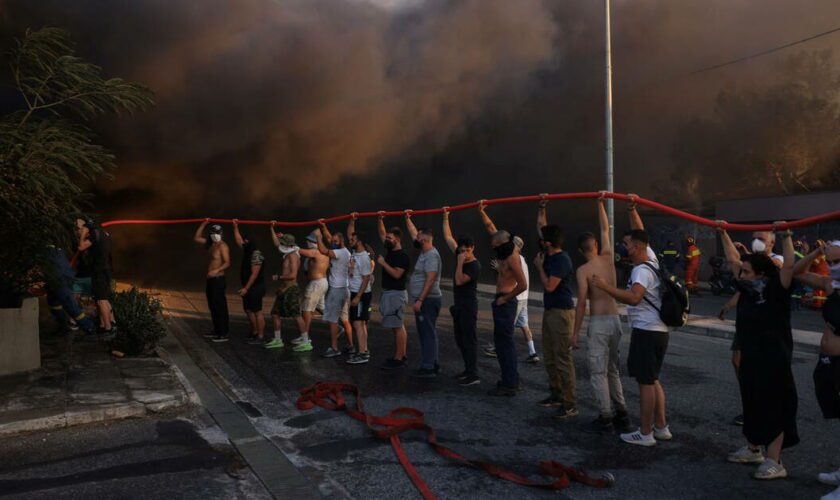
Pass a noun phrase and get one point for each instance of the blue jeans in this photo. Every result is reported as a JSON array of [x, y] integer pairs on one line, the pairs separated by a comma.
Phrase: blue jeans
[[63, 304], [504, 317], [427, 332]]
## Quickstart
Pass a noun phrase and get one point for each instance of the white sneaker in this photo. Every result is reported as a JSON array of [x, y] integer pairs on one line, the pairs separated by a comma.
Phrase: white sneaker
[[638, 438], [834, 495], [770, 469], [832, 478], [744, 455], [663, 434]]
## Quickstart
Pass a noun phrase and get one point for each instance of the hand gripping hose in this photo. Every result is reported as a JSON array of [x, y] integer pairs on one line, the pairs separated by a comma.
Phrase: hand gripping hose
[[808, 221]]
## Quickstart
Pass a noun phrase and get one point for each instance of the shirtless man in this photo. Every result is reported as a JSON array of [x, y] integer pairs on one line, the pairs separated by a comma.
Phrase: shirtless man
[[521, 300], [604, 327], [215, 288], [315, 265], [510, 282], [287, 298]]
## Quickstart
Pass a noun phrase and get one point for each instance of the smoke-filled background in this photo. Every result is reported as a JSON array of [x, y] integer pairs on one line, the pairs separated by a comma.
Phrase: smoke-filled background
[[289, 109]]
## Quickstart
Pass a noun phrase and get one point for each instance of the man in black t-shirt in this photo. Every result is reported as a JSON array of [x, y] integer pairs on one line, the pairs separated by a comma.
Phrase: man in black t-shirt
[[394, 267], [465, 308]]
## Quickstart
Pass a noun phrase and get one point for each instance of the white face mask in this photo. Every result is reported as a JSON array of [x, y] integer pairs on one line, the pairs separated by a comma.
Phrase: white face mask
[[758, 246], [215, 238]]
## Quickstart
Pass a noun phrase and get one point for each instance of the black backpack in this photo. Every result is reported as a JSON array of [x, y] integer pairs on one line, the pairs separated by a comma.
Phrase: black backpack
[[675, 307]]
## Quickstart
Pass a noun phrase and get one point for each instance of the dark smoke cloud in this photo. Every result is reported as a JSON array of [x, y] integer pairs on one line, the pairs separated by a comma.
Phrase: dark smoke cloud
[[304, 108]]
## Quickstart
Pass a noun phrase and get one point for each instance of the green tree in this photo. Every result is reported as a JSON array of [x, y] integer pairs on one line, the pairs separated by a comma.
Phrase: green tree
[[48, 154]]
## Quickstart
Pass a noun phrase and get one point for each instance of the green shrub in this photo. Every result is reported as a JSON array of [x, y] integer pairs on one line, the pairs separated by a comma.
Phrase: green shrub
[[140, 322]]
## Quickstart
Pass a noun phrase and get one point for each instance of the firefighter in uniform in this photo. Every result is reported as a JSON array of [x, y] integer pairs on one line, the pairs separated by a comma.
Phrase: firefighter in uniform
[[670, 256], [692, 265]]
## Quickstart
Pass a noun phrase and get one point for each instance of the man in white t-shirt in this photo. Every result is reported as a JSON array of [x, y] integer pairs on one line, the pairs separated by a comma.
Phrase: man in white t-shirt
[[649, 337], [361, 277], [338, 296]]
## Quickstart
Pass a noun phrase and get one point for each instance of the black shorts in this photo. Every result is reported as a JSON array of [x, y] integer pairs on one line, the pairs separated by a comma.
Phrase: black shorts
[[647, 352], [361, 312], [827, 385], [253, 300], [100, 285]]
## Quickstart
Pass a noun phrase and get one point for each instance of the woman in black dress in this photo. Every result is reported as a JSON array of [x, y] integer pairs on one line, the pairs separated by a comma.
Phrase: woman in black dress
[[827, 371], [768, 391]]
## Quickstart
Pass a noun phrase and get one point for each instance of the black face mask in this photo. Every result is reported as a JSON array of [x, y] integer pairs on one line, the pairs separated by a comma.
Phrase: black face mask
[[504, 250], [754, 289], [418, 244], [389, 245]]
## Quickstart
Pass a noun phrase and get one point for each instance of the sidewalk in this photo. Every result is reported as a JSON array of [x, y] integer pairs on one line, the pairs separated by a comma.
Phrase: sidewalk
[[709, 326], [82, 383]]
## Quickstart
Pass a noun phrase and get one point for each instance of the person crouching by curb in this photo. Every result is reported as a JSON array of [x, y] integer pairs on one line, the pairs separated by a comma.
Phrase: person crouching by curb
[[768, 390]]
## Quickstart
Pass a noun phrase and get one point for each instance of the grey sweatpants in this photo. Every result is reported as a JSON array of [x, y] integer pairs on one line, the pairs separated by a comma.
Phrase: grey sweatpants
[[604, 338]]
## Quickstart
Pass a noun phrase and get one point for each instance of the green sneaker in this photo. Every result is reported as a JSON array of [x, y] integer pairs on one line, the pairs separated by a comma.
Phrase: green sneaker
[[303, 347], [274, 343]]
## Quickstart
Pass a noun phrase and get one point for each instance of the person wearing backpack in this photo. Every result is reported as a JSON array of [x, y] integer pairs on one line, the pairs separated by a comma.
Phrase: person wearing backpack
[[649, 336]]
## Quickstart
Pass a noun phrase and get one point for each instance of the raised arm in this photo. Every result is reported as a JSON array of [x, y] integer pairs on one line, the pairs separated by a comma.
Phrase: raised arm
[[733, 257], [804, 263], [380, 226], [447, 231], [409, 224], [604, 224], [351, 226], [485, 219], [275, 238], [635, 219], [237, 236], [319, 237], [542, 216], [786, 272], [199, 233], [324, 231]]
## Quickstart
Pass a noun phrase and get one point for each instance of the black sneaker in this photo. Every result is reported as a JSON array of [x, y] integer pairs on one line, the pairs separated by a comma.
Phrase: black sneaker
[[468, 380], [739, 420], [502, 391], [221, 338], [349, 350], [392, 364], [550, 402], [533, 358], [490, 352], [460, 376], [564, 413], [621, 422], [425, 373], [359, 359], [209, 335], [601, 425]]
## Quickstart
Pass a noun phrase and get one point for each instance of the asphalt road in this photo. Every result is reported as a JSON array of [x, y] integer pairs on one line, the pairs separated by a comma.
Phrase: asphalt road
[[342, 458], [141, 458]]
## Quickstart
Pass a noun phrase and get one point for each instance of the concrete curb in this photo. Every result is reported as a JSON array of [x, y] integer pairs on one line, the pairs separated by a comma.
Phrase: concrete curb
[[39, 420]]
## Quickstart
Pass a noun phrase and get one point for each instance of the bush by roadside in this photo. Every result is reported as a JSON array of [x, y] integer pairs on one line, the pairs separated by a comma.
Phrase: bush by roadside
[[140, 322]]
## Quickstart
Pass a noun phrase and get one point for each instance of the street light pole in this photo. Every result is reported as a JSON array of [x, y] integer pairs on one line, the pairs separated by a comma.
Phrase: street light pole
[[608, 111]]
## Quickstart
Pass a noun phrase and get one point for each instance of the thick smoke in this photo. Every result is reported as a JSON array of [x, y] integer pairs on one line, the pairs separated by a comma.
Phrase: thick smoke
[[304, 108]]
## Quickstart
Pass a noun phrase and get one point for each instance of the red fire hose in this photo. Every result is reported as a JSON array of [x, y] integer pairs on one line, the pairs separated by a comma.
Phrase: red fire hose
[[808, 221], [330, 395]]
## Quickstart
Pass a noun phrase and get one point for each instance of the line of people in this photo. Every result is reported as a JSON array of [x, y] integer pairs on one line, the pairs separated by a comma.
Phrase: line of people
[[762, 347]]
